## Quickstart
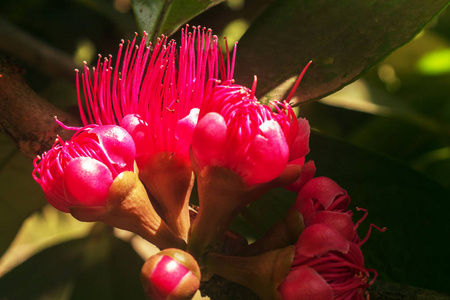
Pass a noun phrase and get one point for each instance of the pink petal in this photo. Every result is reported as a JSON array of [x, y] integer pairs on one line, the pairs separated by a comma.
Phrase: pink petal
[[118, 145], [267, 155], [185, 129], [308, 171], [140, 132], [305, 284], [342, 222], [320, 238], [300, 145], [208, 139], [322, 190], [87, 181]]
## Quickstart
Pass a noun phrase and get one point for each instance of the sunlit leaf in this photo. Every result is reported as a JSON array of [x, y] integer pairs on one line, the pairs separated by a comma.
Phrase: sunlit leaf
[[343, 39], [97, 267], [44, 228], [158, 17]]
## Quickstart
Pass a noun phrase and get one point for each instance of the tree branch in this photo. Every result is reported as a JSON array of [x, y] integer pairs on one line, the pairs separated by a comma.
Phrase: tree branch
[[25, 116], [44, 57], [382, 290]]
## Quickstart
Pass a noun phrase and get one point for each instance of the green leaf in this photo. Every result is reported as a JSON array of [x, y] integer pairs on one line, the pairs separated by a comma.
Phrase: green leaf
[[97, 267], [158, 17], [20, 194], [414, 249], [343, 39]]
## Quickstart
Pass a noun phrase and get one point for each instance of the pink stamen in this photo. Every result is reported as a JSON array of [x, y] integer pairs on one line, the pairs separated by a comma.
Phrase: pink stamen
[[255, 80], [161, 85], [362, 218], [297, 82], [230, 75], [369, 231], [65, 126]]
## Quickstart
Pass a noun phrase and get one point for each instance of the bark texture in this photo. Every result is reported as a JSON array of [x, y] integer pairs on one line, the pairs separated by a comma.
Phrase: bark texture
[[24, 116]]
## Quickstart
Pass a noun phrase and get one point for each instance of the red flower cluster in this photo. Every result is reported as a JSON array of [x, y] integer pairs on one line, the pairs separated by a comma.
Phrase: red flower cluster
[[165, 116], [328, 262]]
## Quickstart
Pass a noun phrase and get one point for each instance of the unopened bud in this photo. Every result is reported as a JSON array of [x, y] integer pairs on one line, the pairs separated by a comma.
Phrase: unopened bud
[[171, 274]]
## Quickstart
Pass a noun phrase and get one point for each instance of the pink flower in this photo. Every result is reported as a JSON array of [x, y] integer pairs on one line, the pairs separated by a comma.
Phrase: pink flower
[[239, 148], [153, 92], [320, 194], [326, 266], [328, 262], [237, 132], [342, 222], [79, 172]]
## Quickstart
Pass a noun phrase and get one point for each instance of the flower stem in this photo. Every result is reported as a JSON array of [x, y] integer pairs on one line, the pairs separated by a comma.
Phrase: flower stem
[[169, 179], [128, 207], [262, 274], [222, 195]]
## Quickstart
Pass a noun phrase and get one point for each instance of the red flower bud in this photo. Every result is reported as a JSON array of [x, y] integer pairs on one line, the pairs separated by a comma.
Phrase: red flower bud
[[239, 146], [321, 193], [171, 274], [237, 132], [79, 172]]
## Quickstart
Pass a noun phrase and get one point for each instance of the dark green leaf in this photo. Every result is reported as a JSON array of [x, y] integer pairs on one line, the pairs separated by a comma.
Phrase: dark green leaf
[[414, 249], [166, 16], [343, 38], [266, 211], [96, 267]]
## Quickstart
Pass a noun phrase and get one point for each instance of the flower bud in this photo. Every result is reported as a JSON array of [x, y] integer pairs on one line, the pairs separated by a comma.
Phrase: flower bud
[[92, 177], [236, 132], [239, 148], [128, 207], [321, 193], [79, 172], [171, 274]]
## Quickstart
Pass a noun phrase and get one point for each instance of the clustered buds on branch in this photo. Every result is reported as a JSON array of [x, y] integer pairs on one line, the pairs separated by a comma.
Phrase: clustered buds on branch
[[165, 117]]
